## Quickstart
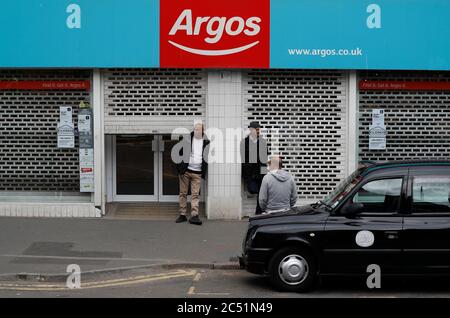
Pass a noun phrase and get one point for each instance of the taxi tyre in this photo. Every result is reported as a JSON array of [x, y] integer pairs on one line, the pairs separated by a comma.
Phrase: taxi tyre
[[294, 256]]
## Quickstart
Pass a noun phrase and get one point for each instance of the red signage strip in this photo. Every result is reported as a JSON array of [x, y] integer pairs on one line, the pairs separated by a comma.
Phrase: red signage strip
[[405, 86], [45, 85]]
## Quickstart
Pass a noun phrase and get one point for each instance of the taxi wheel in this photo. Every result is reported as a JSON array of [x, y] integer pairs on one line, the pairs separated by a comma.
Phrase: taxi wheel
[[292, 269]]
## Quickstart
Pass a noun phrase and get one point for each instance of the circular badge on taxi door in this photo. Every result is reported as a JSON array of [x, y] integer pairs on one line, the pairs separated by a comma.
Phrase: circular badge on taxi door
[[365, 238]]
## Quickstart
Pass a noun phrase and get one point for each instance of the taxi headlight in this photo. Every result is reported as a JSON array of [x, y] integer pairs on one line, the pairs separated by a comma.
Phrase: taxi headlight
[[250, 236], [253, 235]]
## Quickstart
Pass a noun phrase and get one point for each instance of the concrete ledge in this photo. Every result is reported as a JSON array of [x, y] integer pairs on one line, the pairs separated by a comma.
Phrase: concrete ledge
[[60, 210]]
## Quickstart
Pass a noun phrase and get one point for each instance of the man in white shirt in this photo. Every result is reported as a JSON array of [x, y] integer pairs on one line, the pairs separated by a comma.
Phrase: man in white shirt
[[191, 171]]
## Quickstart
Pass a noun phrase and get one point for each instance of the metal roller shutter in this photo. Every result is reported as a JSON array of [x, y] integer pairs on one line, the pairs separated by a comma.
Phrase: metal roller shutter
[[29, 157], [417, 122], [309, 108], [153, 100]]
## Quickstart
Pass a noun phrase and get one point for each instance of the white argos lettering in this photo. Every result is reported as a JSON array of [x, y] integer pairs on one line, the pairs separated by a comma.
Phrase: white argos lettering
[[253, 25], [215, 26], [186, 14], [73, 21], [240, 26], [198, 24], [215, 32]]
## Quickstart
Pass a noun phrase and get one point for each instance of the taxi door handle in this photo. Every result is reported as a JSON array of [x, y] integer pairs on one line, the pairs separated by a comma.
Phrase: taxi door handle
[[391, 234]]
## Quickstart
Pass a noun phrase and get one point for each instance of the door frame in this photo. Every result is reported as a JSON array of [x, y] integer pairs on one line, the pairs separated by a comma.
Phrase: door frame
[[132, 198], [158, 175], [160, 196]]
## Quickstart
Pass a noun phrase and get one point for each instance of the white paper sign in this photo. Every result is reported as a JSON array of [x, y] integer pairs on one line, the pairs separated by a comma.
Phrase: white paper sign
[[377, 131], [66, 135], [378, 117], [377, 143], [87, 183], [84, 123], [87, 157], [65, 114], [87, 170]]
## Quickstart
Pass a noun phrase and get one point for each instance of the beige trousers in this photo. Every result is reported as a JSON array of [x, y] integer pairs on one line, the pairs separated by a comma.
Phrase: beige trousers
[[195, 180]]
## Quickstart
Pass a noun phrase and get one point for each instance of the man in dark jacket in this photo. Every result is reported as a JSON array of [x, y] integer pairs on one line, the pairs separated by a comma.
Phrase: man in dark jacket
[[191, 170], [254, 152]]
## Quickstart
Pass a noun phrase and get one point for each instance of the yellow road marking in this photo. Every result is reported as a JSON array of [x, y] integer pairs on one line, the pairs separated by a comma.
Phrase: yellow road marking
[[197, 277], [211, 294], [101, 281], [191, 290], [100, 284]]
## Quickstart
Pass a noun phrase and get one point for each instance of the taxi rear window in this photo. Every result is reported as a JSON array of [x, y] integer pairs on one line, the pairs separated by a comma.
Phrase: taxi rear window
[[431, 194]]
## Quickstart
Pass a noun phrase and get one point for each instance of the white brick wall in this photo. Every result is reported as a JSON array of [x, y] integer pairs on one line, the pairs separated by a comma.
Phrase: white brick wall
[[148, 101], [224, 110], [33, 171], [309, 110], [29, 157], [417, 122]]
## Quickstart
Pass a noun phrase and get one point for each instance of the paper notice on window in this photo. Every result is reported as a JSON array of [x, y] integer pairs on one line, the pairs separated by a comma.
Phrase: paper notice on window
[[377, 137], [65, 114], [87, 183], [378, 117], [84, 124], [377, 143], [66, 135], [87, 170], [87, 157]]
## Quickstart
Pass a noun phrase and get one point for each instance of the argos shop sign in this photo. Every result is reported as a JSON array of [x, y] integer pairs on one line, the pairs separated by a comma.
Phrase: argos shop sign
[[304, 34], [233, 33]]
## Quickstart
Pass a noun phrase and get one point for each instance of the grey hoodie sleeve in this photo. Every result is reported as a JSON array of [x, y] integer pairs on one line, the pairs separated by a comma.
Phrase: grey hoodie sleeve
[[263, 194], [294, 195]]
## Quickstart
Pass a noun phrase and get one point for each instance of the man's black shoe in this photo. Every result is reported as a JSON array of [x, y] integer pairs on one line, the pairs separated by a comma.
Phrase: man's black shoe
[[195, 220], [181, 218]]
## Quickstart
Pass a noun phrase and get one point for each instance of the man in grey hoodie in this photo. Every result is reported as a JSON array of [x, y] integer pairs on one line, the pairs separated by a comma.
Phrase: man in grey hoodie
[[278, 189]]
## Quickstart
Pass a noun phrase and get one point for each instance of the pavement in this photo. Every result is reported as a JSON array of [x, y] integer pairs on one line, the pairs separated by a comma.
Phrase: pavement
[[34, 248]]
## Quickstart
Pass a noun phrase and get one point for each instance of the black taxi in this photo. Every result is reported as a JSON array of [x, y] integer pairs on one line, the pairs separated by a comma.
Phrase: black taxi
[[394, 214]]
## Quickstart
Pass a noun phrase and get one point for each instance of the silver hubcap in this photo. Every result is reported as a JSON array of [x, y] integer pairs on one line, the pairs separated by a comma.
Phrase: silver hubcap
[[293, 269]]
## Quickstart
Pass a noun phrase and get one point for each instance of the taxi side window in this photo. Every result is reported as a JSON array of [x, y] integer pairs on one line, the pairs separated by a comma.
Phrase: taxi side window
[[380, 196], [431, 194]]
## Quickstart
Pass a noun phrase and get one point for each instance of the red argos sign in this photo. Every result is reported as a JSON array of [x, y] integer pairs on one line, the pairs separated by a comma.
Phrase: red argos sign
[[205, 33]]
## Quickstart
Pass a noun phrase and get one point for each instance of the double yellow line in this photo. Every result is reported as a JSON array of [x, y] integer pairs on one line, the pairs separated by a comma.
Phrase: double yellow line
[[99, 284]]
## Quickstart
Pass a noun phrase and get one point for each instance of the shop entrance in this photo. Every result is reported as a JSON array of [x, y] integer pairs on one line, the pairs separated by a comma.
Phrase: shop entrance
[[143, 170]]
